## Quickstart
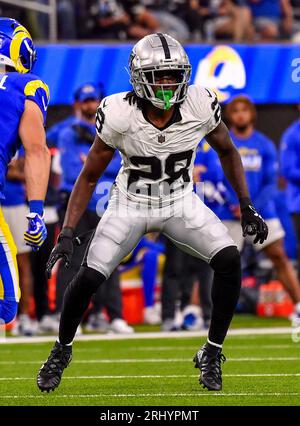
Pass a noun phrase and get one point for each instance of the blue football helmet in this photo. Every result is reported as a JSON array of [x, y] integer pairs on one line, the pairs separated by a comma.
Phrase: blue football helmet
[[16, 46]]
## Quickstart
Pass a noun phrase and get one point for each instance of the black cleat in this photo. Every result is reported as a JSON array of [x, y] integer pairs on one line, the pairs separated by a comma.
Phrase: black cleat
[[210, 367], [49, 376]]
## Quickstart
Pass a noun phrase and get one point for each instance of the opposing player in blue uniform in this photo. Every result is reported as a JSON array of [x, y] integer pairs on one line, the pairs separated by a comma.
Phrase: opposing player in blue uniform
[[260, 163], [23, 104]]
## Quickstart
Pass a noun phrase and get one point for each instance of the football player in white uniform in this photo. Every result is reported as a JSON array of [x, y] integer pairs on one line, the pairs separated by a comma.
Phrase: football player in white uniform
[[156, 128]]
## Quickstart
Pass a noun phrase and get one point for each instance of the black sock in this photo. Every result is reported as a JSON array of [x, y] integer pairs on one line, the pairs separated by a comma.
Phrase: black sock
[[225, 292], [76, 300]]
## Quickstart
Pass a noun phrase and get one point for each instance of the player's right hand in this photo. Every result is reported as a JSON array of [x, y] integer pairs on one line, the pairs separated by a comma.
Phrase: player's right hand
[[63, 250]]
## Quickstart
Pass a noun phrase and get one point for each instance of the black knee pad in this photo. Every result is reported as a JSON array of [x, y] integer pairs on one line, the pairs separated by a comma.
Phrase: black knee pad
[[90, 279], [227, 261]]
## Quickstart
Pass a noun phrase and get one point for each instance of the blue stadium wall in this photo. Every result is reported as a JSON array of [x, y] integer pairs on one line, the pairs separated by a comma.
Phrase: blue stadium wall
[[269, 74]]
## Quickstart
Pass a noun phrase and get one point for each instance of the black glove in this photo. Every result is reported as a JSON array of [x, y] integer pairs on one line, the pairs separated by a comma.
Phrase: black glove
[[62, 250], [252, 222]]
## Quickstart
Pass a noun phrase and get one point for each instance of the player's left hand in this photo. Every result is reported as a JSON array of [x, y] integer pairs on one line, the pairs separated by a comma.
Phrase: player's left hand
[[253, 223], [63, 249], [36, 232]]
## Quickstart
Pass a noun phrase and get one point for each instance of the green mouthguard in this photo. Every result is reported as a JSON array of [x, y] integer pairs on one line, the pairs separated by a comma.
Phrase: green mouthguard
[[165, 95]]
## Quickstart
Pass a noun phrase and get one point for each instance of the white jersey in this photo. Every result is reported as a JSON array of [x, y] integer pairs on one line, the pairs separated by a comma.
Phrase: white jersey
[[157, 164]]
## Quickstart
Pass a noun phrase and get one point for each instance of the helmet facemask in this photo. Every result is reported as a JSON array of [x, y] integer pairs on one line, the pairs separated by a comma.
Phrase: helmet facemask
[[154, 62], [146, 84]]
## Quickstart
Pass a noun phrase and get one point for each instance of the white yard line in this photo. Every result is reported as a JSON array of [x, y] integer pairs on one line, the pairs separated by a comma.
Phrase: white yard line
[[168, 348], [154, 376], [153, 360], [183, 348], [100, 349], [150, 335]]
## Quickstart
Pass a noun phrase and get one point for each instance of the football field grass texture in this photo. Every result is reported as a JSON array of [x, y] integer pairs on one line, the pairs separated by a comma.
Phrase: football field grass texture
[[260, 370]]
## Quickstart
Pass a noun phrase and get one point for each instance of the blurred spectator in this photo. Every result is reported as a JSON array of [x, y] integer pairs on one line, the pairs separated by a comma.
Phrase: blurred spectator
[[169, 20], [110, 20], [143, 22], [296, 28], [195, 13], [211, 19], [122, 19], [231, 19], [15, 210], [235, 21], [271, 17]]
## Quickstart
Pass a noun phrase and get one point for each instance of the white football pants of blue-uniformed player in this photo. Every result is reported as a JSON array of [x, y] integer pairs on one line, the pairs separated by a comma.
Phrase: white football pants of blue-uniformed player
[[9, 276], [191, 225]]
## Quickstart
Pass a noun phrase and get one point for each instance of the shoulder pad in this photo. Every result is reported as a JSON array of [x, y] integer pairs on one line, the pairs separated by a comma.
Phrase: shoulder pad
[[34, 83], [203, 104], [116, 112]]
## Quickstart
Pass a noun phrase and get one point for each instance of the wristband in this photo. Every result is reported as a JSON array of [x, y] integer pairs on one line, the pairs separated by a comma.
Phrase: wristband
[[245, 202], [36, 206], [66, 232]]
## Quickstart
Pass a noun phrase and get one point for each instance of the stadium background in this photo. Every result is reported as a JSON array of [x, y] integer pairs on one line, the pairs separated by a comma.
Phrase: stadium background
[[227, 69], [269, 73], [263, 354]]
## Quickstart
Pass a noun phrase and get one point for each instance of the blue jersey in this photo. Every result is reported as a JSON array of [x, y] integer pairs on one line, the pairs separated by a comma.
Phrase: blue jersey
[[260, 163], [73, 150], [106, 182], [266, 8], [14, 193], [290, 165], [15, 89], [55, 130], [14, 190], [211, 176]]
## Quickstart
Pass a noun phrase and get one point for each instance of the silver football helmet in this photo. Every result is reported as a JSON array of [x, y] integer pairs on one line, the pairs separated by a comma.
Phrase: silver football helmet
[[155, 53]]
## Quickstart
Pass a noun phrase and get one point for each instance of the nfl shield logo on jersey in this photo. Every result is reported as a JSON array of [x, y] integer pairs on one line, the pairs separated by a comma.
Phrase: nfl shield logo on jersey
[[161, 138]]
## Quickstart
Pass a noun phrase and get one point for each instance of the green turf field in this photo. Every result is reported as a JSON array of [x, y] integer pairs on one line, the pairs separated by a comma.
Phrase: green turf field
[[260, 370]]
